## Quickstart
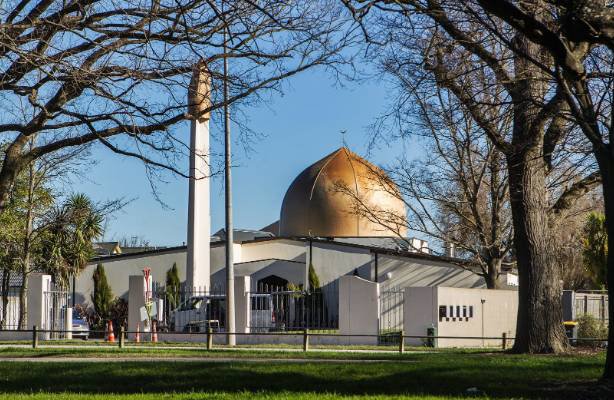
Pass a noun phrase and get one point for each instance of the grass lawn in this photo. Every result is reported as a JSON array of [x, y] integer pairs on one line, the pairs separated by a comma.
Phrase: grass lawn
[[438, 375], [219, 352]]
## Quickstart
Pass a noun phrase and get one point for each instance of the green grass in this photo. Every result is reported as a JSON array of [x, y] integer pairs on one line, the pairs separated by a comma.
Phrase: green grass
[[220, 352], [444, 374], [216, 396]]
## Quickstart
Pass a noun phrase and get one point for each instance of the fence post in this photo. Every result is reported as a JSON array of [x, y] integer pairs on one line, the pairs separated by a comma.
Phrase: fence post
[[306, 340], [209, 339], [122, 337], [401, 342], [34, 337], [504, 340]]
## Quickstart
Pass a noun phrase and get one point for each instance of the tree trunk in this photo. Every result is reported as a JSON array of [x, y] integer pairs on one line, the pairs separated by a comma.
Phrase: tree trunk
[[606, 167], [492, 277], [6, 284], [23, 304], [539, 327], [27, 247]]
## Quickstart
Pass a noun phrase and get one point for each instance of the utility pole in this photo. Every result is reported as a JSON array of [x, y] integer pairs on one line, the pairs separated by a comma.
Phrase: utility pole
[[230, 275]]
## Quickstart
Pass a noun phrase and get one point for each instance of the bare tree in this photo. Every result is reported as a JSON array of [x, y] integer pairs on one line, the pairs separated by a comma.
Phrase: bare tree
[[569, 242], [457, 193], [579, 36], [443, 42], [115, 73]]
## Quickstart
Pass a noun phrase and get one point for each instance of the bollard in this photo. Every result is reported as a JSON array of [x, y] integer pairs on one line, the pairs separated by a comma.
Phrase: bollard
[[504, 340], [122, 337], [306, 340], [401, 342], [34, 337], [209, 339]]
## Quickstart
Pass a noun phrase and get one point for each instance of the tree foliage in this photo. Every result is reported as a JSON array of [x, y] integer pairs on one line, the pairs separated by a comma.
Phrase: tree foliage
[[102, 298], [68, 243], [314, 279], [595, 248], [173, 287]]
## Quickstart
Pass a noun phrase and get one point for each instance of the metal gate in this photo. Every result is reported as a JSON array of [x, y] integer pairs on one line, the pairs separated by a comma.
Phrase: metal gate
[[274, 308], [9, 318], [391, 315], [55, 303]]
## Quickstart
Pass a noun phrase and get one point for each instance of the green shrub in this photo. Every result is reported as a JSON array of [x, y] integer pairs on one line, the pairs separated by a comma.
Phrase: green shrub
[[590, 327], [102, 298]]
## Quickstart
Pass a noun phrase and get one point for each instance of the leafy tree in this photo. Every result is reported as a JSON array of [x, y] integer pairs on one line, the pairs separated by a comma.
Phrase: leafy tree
[[102, 298], [595, 250], [172, 286], [314, 279], [68, 245]]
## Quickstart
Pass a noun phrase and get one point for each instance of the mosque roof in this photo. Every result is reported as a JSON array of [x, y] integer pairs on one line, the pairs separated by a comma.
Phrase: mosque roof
[[342, 195]]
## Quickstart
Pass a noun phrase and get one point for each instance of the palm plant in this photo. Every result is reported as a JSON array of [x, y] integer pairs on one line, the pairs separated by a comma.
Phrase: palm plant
[[72, 228]]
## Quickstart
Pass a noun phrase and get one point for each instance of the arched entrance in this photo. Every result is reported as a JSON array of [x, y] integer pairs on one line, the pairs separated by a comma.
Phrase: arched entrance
[[271, 282]]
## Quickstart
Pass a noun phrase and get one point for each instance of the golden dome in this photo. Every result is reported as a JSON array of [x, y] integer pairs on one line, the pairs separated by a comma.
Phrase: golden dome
[[330, 199]]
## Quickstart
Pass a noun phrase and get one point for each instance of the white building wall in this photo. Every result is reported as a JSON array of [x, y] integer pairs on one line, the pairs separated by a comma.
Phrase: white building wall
[[283, 249], [409, 272], [358, 310], [330, 261], [118, 269], [472, 313], [420, 313]]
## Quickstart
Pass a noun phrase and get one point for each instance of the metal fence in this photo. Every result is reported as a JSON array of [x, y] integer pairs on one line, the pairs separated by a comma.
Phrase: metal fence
[[593, 303], [189, 309], [9, 320], [55, 303], [276, 308], [391, 315]]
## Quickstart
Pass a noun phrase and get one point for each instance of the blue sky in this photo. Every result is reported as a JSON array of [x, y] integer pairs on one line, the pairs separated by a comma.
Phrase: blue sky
[[299, 127]]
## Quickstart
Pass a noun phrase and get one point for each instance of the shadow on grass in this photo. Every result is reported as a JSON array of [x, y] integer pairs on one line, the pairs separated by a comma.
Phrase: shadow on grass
[[436, 374]]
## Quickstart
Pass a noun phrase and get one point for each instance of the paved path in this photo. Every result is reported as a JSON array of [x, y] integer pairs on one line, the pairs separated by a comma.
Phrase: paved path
[[191, 360]]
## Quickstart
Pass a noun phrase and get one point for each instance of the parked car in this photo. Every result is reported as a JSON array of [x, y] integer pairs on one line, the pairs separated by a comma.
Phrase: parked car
[[80, 327], [199, 313]]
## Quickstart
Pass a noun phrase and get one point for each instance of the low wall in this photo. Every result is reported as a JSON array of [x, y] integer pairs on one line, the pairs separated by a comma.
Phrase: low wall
[[256, 339], [359, 309], [465, 313], [15, 335]]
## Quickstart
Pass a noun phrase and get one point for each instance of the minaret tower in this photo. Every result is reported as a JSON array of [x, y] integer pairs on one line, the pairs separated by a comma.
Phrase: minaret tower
[[198, 273]]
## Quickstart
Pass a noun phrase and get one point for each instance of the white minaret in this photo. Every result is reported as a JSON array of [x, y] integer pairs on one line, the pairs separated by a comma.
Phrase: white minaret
[[198, 273]]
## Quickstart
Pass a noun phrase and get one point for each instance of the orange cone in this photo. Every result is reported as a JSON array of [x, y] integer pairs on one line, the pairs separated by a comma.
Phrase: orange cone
[[154, 331], [111, 337], [137, 337]]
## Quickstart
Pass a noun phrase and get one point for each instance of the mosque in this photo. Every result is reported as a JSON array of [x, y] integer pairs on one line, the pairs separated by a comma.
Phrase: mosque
[[318, 228]]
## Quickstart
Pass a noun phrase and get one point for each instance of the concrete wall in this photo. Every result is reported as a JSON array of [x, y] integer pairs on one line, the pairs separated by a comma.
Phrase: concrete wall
[[358, 309], [136, 300], [468, 313], [331, 261], [242, 304], [283, 249], [38, 284], [288, 270], [118, 269], [420, 313]]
